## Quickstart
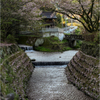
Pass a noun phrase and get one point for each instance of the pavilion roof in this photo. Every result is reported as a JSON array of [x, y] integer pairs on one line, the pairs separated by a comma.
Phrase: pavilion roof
[[49, 15]]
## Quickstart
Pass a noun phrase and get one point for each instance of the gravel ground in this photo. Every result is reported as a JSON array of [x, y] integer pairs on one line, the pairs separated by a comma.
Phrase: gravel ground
[[50, 83]]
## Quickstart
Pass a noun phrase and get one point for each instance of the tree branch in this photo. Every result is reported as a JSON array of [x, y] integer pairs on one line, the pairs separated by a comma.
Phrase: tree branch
[[74, 19], [91, 8]]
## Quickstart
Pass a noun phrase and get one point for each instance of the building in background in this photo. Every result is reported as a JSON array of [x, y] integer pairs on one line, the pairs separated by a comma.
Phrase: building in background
[[50, 29]]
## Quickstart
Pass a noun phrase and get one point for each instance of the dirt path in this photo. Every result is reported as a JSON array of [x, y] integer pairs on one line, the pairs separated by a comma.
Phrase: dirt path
[[50, 83]]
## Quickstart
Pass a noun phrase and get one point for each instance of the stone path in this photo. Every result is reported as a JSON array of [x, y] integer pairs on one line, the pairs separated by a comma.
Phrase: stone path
[[51, 57], [50, 83]]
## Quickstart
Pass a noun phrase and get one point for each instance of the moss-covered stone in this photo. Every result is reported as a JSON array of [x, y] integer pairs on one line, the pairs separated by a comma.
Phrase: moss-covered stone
[[53, 44]]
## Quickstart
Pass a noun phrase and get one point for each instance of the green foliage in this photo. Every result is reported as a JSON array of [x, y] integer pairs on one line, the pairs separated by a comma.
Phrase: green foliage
[[51, 40], [97, 38], [12, 20], [78, 44], [92, 37], [58, 18], [10, 39], [9, 79], [53, 44], [41, 48], [78, 31], [64, 41], [16, 97], [9, 22], [46, 9], [26, 39], [58, 21], [36, 26], [68, 48], [66, 33]]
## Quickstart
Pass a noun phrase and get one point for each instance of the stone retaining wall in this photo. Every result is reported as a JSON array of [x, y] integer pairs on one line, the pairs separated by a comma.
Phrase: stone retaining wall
[[83, 71], [15, 71]]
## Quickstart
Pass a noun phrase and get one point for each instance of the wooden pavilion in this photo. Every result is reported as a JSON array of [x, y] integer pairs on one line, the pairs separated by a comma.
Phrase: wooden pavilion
[[49, 18]]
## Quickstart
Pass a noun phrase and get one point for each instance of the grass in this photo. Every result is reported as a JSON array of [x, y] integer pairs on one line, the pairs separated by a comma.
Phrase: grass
[[53, 44], [41, 48], [78, 44], [68, 48]]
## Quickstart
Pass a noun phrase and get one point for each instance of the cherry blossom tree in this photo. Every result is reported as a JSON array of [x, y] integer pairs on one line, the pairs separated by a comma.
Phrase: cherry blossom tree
[[15, 13], [87, 10], [26, 12]]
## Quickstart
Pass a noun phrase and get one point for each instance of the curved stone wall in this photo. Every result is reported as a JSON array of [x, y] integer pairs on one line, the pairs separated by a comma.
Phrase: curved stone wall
[[83, 72], [15, 71]]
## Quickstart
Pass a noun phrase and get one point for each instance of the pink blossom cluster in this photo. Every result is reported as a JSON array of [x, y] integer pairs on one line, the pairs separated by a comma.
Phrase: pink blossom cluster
[[29, 10]]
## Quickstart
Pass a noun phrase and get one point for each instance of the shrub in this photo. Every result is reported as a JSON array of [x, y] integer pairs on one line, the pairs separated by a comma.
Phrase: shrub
[[55, 38], [78, 31], [64, 41], [64, 49], [40, 48], [68, 48], [52, 38], [10, 39], [91, 37], [78, 44], [97, 37], [67, 33]]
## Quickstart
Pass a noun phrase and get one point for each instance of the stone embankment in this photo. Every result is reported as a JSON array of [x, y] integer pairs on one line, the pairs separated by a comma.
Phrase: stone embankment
[[15, 71], [83, 71]]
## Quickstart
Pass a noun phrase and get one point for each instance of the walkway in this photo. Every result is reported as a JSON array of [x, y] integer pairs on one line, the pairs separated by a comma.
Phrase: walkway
[[51, 84]]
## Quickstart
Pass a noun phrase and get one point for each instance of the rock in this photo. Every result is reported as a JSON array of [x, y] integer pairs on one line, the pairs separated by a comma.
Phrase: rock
[[39, 42], [59, 56], [10, 96]]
